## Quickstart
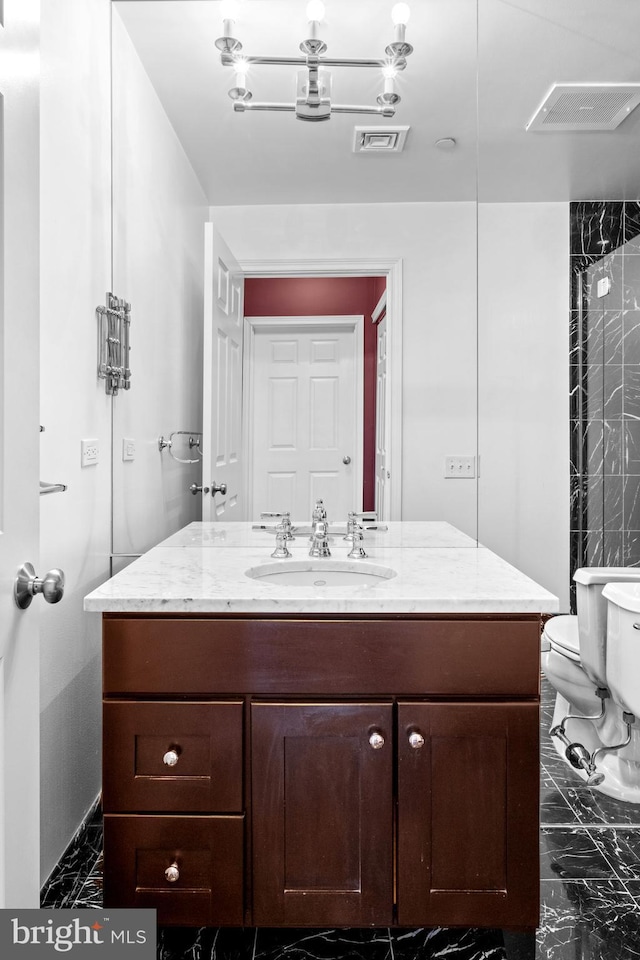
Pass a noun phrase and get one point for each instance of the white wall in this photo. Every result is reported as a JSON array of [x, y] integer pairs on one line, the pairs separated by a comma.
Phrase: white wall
[[158, 266], [437, 244], [524, 388], [159, 215], [75, 525]]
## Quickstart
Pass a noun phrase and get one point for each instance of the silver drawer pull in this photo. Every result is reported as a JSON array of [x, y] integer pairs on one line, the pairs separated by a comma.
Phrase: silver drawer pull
[[172, 873], [416, 740], [376, 740], [171, 757]]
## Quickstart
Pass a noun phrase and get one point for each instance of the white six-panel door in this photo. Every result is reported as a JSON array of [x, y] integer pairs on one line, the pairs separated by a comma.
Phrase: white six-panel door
[[305, 415], [222, 381], [19, 453]]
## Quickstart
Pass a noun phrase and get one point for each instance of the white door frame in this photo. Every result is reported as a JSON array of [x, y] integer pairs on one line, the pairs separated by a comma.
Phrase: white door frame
[[354, 322], [374, 267]]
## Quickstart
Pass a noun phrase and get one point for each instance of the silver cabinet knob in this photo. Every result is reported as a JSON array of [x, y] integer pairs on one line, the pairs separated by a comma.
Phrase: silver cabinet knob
[[172, 873], [171, 758], [346, 460], [194, 488], [27, 585], [416, 740], [218, 488], [376, 740]]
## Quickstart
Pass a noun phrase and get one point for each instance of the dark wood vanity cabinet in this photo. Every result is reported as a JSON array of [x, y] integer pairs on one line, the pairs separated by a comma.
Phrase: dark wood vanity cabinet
[[326, 772]]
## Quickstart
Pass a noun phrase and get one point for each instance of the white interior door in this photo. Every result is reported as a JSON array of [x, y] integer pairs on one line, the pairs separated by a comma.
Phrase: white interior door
[[382, 426], [306, 403], [19, 441], [222, 381]]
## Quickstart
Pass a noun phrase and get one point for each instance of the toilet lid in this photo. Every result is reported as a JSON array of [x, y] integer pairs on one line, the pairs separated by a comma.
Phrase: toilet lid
[[562, 634]]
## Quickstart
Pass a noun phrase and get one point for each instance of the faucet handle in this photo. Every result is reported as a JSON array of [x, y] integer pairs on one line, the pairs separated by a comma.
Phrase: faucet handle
[[319, 511], [357, 551], [281, 551]]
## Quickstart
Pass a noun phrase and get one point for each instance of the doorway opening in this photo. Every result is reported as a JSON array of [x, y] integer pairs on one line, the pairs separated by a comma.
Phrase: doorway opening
[[314, 362], [302, 297]]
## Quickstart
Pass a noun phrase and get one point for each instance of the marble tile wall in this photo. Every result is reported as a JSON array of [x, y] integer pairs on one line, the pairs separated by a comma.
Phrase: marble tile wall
[[605, 384]]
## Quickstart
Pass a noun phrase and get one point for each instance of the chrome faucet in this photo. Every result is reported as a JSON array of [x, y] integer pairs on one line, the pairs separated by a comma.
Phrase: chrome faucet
[[320, 540], [318, 515], [355, 535]]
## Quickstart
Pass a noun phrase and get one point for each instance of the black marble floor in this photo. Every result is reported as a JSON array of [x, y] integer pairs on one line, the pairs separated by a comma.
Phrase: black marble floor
[[590, 893]]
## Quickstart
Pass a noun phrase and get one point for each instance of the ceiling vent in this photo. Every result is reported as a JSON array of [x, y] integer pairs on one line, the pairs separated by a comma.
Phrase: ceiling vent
[[379, 139], [585, 106]]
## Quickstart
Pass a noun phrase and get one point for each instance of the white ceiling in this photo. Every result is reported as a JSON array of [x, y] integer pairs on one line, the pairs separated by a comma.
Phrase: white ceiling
[[478, 73]]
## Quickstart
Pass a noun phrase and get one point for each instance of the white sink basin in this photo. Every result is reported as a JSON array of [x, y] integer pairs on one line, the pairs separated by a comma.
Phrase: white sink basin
[[321, 573]]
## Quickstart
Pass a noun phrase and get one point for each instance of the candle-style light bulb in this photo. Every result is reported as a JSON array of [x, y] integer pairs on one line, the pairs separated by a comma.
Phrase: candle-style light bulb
[[400, 14], [389, 73], [229, 10], [315, 11]]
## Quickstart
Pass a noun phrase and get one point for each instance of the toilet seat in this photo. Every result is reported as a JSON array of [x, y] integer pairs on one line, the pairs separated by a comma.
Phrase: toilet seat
[[562, 635]]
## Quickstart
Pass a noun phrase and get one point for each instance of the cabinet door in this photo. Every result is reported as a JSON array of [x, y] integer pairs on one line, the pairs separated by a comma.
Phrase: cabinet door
[[468, 814], [322, 814]]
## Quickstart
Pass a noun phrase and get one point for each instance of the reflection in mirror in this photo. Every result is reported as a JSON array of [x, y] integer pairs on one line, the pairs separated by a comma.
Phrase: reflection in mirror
[[292, 199], [555, 207]]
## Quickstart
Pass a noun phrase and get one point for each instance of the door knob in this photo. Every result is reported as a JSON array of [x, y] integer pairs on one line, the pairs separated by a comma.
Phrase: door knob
[[171, 757], [172, 873], [218, 488], [27, 585], [346, 460], [194, 488], [376, 740], [416, 740]]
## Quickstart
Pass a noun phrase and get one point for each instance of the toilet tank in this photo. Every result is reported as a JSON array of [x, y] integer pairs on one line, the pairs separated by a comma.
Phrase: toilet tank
[[623, 658], [592, 615]]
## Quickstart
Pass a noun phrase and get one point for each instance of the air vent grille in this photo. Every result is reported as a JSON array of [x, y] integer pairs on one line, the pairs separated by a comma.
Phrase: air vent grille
[[585, 106], [379, 139]]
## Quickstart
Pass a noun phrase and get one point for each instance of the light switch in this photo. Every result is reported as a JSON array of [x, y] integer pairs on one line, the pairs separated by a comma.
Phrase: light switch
[[460, 468]]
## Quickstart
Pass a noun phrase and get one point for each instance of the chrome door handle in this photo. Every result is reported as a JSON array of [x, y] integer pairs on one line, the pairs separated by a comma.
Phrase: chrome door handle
[[218, 488], [346, 460], [27, 585], [194, 488]]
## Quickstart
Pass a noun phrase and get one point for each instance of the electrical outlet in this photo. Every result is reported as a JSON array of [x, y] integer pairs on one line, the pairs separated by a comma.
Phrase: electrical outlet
[[90, 452], [128, 448], [460, 467]]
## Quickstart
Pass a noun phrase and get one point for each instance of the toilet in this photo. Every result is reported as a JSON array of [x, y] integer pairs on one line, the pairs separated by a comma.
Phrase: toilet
[[589, 717], [623, 645]]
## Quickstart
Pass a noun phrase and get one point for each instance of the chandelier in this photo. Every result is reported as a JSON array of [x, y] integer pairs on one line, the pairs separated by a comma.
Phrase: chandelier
[[313, 86]]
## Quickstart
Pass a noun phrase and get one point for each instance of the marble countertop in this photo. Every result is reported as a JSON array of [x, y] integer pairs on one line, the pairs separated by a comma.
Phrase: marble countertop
[[202, 569]]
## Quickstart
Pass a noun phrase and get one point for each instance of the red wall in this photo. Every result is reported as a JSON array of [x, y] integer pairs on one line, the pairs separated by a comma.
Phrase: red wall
[[326, 297]]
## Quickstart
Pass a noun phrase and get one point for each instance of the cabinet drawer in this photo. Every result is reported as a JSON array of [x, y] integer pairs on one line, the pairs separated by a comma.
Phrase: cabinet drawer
[[207, 853], [205, 737], [401, 655]]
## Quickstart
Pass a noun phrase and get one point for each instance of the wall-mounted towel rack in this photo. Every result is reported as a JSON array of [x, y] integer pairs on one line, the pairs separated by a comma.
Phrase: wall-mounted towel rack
[[114, 321], [195, 438]]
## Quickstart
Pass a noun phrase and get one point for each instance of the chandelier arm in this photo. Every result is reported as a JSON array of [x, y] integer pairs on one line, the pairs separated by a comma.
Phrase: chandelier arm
[[386, 111], [228, 60], [241, 105]]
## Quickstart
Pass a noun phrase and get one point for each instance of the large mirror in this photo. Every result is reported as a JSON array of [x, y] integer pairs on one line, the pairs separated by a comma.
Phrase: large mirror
[[329, 234], [559, 288]]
